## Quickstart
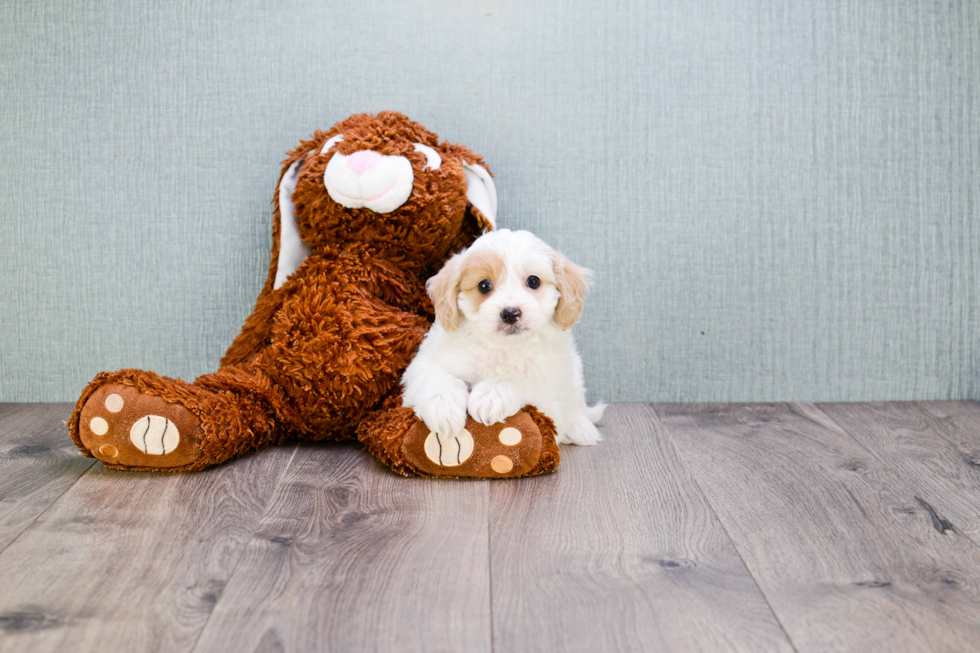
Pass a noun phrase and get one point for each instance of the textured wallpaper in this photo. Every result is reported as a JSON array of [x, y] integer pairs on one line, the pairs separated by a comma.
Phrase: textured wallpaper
[[781, 200]]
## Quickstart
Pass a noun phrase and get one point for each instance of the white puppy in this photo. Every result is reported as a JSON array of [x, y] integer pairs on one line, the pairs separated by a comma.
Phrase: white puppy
[[501, 340]]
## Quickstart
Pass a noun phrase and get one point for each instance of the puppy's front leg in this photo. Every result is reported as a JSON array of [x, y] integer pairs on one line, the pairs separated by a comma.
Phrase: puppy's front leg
[[493, 401], [438, 398]]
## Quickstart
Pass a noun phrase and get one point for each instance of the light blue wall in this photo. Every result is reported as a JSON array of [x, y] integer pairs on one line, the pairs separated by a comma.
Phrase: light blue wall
[[780, 198]]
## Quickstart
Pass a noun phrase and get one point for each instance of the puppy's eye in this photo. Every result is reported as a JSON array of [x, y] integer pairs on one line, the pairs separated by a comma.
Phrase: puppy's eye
[[485, 286], [533, 282]]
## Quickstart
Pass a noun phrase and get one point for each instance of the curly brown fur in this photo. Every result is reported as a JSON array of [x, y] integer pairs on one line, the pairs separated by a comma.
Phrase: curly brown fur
[[382, 433]]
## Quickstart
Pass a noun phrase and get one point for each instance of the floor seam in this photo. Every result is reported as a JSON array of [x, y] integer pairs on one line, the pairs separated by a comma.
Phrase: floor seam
[[47, 508], [490, 569], [707, 499], [234, 569]]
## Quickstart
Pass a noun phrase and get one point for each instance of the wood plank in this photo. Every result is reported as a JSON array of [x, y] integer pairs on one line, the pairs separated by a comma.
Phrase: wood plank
[[129, 561], [934, 446], [38, 462], [351, 557], [845, 554], [619, 551]]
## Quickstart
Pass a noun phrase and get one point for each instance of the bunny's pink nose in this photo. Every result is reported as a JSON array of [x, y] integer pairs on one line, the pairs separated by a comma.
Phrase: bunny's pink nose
[[362, 161]]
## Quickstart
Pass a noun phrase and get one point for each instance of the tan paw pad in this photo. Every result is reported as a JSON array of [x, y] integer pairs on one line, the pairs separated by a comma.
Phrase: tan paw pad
[[114, 403], [510, 437], [501, 464], [155, 435], [449, 451]]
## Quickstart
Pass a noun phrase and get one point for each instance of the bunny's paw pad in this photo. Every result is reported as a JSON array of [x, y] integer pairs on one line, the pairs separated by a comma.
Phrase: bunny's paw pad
[[125, 428], [504, 450]]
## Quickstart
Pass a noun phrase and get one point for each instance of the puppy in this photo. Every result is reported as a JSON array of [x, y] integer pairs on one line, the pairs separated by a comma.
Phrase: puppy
[[501, 340]]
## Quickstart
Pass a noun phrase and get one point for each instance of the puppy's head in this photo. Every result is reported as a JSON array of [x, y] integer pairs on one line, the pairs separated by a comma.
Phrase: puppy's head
[[509, 283]]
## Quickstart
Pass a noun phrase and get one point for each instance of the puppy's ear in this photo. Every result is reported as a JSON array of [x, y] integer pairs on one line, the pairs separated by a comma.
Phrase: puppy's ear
[[572, 281], [443, 289]]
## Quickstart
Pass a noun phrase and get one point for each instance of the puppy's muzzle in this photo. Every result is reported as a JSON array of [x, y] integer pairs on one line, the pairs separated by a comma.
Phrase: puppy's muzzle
[[510, 315]]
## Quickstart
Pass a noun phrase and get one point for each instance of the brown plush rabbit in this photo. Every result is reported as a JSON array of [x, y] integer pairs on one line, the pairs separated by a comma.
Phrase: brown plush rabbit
[[365, 212]]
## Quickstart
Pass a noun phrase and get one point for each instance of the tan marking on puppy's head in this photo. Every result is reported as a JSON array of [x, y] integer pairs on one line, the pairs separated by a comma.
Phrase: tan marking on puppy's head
[[463, 274], [476, 267], [572, 281]]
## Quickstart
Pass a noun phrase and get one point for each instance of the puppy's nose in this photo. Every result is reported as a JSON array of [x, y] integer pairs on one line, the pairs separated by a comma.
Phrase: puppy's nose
[[362, 161], [510, 315]]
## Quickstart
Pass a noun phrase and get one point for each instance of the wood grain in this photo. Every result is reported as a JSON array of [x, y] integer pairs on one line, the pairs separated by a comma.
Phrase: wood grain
[[847, 552], [38, 463], [129, 561], [351, 557], [852, 520], [935, 446], [619, 551]]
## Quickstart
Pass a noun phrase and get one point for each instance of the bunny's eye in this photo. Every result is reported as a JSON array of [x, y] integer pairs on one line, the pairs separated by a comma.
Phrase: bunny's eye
[[432, 158], [330, 143], [485, 286]]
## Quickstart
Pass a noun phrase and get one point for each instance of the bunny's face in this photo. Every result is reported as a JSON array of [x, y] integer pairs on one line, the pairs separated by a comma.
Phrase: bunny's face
[[387, 182]]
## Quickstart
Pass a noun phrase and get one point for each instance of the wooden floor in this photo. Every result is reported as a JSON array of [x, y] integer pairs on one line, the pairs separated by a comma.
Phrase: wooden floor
[[777, 527]]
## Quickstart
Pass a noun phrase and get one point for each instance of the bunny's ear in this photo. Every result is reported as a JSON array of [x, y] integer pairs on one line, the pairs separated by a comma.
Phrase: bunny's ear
[[481, 193], [288, 252], [292, 250]]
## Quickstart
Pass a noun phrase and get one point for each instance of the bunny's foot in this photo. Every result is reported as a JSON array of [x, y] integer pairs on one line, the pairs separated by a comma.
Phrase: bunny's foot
[[522, 445]]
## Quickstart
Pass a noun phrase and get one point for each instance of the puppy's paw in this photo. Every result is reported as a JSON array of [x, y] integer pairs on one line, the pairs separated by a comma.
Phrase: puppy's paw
[[444, 411], [491, 402], [582, 432]]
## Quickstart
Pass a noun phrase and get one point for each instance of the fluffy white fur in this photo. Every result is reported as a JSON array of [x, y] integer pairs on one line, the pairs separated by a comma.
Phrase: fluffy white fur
[[473, 360]]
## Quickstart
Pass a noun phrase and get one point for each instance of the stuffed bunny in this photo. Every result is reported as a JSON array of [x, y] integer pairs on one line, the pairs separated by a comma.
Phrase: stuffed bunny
[[365, 212]]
